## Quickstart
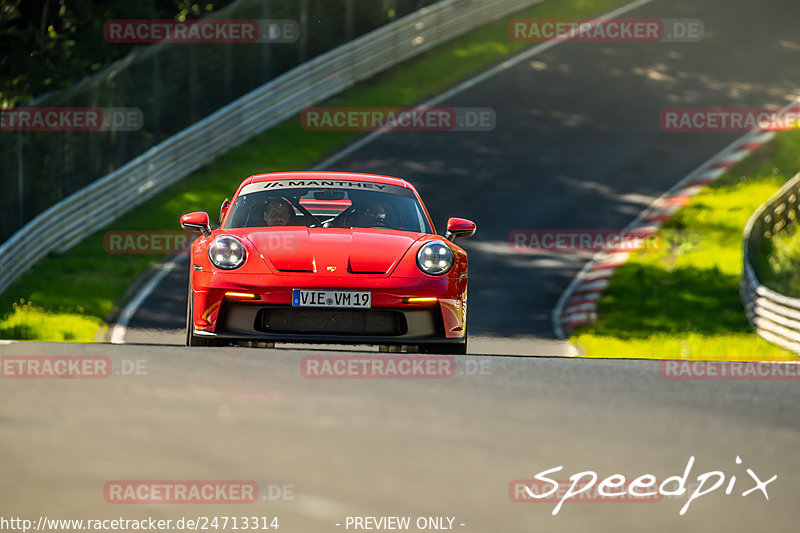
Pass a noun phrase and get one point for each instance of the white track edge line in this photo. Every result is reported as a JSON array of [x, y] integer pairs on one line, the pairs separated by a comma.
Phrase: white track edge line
[[120, 327]]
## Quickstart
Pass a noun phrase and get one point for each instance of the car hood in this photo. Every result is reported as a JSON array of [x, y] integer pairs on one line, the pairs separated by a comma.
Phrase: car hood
[[334, 252]]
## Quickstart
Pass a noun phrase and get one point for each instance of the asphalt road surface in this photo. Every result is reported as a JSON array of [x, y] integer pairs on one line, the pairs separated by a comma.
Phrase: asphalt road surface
[[394, 447]]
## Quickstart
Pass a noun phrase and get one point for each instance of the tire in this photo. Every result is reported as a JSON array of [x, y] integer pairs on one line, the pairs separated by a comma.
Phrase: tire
[[389, 348], [448, 349]]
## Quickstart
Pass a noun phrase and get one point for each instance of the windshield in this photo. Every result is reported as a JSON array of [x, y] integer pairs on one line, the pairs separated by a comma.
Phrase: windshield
[[261, 205]]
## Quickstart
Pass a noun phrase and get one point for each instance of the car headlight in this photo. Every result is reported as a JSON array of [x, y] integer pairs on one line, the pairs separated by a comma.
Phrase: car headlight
[[435, 258], [226, 252]]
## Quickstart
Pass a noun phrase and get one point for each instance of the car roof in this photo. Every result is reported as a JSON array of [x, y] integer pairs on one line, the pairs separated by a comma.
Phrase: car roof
[[343, 176]]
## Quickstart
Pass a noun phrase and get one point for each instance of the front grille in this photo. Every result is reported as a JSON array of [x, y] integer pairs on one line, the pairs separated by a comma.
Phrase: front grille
[[331, 321]]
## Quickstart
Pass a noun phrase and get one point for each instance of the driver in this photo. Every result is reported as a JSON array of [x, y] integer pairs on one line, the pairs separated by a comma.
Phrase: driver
[[374, 214], [278, 212]]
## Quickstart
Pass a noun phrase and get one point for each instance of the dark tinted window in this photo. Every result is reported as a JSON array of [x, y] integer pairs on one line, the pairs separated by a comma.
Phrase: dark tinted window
[[328, 208]]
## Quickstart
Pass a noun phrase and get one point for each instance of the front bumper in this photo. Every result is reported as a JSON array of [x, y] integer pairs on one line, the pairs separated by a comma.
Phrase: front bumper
[[270, 316], [276, 323]]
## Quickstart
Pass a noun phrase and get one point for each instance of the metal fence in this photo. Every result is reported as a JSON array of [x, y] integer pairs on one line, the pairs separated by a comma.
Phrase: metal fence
[[174, 85], [774, 316], [66, 221]]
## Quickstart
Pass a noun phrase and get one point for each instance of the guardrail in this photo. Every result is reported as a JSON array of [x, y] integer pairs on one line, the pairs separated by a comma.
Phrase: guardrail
[[63, 225], [774, 316], [172, 85]]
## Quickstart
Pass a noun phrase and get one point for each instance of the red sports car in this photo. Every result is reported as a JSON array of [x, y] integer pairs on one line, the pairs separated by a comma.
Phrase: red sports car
[[327, 257]]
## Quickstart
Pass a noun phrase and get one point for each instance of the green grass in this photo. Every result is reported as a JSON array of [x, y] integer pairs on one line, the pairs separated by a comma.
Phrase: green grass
[[729, 347], [26, 322], [69, 291], [683, 300]]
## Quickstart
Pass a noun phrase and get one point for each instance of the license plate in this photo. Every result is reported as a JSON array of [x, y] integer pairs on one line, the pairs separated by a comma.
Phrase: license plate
[[313, 298]]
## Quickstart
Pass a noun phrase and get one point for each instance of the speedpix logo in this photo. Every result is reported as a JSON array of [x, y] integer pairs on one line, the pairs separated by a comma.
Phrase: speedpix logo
[[644, 488]]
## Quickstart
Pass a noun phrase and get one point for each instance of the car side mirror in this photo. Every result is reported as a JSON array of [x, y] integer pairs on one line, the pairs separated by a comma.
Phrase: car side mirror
[[459, 227], [223, 210], [197, 221]]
